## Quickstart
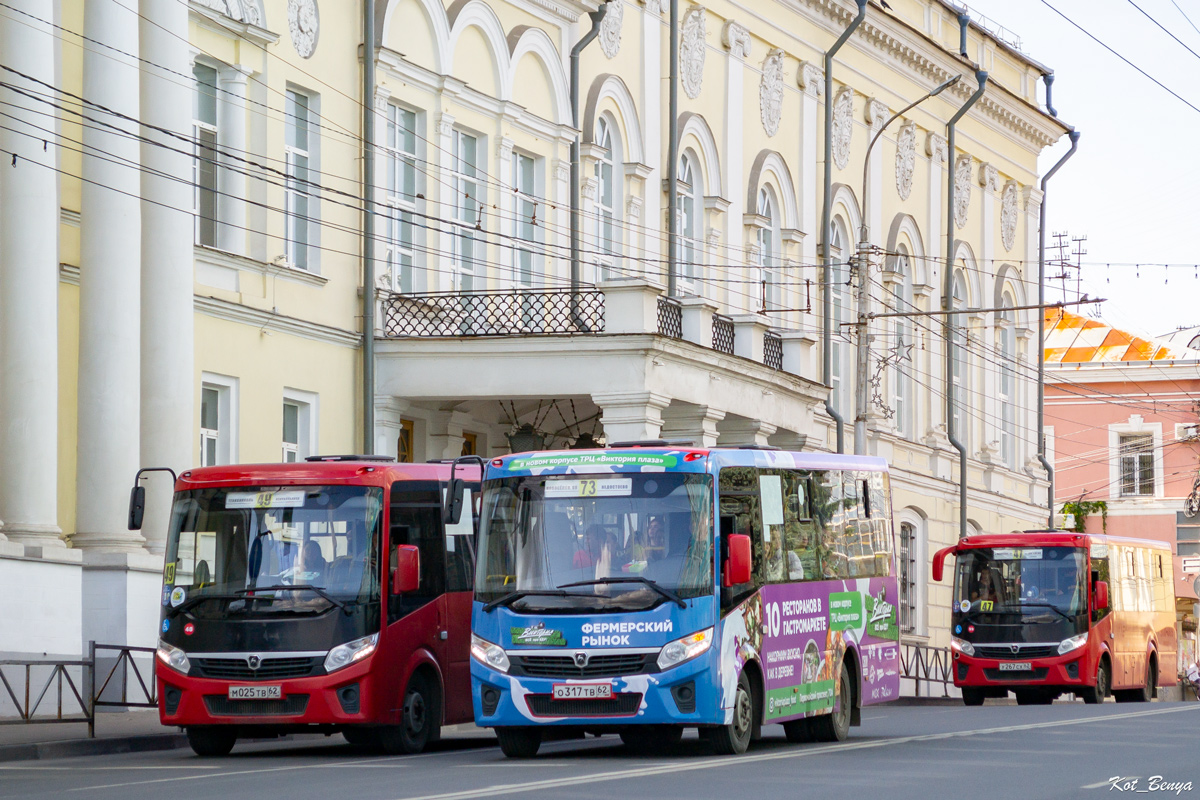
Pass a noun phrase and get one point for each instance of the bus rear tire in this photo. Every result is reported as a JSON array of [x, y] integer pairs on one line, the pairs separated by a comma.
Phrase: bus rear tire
[[420, 722], [1096, 694], [733, 739], [835, 726], [973, 695], [211, 741], [652, 737], [519, 742]]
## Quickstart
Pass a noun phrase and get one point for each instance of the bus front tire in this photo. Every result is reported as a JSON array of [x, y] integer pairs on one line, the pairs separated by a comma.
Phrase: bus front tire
[[733, 739], [973, 695], [420, 722], [1096, 694], [519, 742], [206, 741], [835, 726]]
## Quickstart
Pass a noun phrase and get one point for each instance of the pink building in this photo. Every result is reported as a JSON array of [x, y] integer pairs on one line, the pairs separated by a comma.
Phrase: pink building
[[1123, 427]]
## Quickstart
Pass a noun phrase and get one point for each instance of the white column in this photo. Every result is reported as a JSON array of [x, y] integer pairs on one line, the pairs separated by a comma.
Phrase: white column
[[110, 288], [631, 416], [736, 39], [442, 243], [811, 80], [741, 430], [654, 145], [935, 243], [28, 288], [231, 137], [697, 424]]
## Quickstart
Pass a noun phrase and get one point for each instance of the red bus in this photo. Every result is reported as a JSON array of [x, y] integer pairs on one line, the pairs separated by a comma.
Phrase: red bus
[[1047, 613], [324, 596]]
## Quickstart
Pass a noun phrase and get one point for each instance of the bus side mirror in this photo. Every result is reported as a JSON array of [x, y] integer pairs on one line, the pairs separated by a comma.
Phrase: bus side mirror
[[137, 507], [737, 566], [1101, 595], [406, 577], [939, 562], [452, 510]]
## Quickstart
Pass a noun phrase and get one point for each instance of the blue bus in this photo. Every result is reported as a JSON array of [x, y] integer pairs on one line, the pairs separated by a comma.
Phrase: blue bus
[[641, 590]]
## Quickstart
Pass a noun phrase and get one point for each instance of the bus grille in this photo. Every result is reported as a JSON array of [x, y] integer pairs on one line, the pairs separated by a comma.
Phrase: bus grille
[[621, 705], [221, 706], [1037, 674], [271, 669], [1024, 652], [601, 666]]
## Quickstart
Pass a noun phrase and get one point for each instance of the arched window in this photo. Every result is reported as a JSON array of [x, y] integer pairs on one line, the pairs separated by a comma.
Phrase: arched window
[[689, 216], [839, 294], [1008, 381], [770, 272], [608, 198], [904, 364], [958, 367]]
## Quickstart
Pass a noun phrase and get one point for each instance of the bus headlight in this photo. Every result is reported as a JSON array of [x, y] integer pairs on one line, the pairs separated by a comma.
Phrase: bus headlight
[[685, 649], [488, 654], [346, 654], [1074, 643], [173, 657], [962, 646]]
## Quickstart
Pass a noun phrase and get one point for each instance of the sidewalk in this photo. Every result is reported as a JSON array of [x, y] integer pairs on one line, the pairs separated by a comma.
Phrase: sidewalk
[[127, 732]]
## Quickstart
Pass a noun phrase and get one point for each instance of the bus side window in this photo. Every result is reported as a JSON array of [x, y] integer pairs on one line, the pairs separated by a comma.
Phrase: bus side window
[[460, 547], [1100, 573], [416, 519], [829, 512], [800, 530], [741, 512]]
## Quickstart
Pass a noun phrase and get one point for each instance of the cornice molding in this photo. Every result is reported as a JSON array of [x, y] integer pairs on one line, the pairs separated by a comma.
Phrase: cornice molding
[[235, 312]]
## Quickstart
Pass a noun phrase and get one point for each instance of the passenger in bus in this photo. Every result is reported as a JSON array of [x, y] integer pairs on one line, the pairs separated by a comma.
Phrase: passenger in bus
[[775, 560], [599, 551]]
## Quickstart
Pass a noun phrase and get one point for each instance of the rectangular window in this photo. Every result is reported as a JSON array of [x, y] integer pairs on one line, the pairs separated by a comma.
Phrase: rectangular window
[[1187, 534], [204, 165], [470, 444], [906, 567], [525, 225], [291, 433], [298, 199], [401, 195], [467, 211], [606, 212], [218, 420], [1136, 454], [404, 444], [210, 425]]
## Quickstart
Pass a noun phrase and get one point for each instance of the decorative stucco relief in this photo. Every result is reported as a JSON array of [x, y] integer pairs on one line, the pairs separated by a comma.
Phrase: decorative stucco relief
[[935, 147], [962, 189], [736, 39], [304, 23], [610, 28], [906, 158], [770, 92], [1008, 215], [692, 51], [810, 78], [240, 10], [989, 178], [843, 126]]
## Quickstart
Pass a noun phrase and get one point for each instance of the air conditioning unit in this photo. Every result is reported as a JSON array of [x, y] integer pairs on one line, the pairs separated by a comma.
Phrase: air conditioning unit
[[1188, 432]]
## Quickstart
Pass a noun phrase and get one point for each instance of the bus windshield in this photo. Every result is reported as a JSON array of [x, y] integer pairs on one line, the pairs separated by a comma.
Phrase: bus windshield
[[1030, 581], [269, 550], [595, 543]]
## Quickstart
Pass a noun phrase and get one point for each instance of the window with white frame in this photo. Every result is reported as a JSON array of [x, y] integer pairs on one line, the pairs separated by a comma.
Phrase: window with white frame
[[689, 220], [291, 432], [298, 200], [526, 229], [902, 344], [210, 425], [1008, 381], [299, 425], [204, 162], [958, 365], [466, 210], [839, 296], [608, 198], [768, 252], [218, 420], [1135, 453], [907, 573], [402, 193]]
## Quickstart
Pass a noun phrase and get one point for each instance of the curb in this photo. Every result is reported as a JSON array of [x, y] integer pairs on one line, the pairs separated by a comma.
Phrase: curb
[[93, 747]]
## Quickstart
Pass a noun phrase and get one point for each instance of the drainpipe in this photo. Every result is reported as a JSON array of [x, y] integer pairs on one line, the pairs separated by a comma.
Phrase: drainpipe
[[1041, 383], [964, 21], [576, 272], [673, 150], [826, 210], [1048, 79], [368, 295], [948, 302]]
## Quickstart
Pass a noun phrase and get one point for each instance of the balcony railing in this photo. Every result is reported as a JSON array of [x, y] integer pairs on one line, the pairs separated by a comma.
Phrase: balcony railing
[[670, 317], [512, 313], [773, 350], [722, 334]]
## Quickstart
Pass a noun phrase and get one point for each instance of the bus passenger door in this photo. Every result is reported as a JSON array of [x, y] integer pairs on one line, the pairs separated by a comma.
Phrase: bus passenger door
[[456, 622]]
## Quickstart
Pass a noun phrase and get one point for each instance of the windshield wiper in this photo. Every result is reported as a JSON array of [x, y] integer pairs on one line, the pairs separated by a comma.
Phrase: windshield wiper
[[196, 600], [1051, 606], [512, 597], [317, 590], [667, 593]]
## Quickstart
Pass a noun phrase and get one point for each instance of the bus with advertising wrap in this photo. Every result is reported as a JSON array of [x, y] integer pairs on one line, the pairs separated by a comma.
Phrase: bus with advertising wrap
[[1046, 613], [640, 590], [321, 596]]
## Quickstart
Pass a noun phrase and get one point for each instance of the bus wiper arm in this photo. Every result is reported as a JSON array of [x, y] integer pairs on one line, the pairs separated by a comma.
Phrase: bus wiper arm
[[196, 600], [667, 593], [1051, 606], [512, 597], [317, 590]]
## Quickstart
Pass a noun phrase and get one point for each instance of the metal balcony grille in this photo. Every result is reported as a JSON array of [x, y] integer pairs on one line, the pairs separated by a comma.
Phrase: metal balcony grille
[[722, 334], [512, 313], [773, 350], [670, 317]]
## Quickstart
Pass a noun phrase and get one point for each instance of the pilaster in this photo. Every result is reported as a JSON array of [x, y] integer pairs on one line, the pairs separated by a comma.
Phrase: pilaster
[[631, 416]]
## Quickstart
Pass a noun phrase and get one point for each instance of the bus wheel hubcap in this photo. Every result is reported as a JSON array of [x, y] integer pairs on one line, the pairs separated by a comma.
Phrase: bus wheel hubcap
[[743, 712], [415, 712]]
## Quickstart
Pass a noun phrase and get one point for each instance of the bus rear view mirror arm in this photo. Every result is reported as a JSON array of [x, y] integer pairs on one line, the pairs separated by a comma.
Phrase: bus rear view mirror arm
[[737, 565], [1101, 595], [455, 488], [406, 577], [939, 561], [137, 496]]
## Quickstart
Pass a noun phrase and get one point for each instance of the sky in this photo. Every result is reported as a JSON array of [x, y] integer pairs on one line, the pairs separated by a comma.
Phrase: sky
[[1132, 186]]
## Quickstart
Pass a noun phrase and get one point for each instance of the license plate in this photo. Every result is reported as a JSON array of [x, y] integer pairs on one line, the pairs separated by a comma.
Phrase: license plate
[[583, 691], [256, 692], [1015, 666]]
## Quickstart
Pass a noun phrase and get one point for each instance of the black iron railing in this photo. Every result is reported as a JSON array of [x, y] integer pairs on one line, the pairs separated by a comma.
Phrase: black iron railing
[[670, 317], [931, 665], [722, 334], [773, 350], [511, 313]]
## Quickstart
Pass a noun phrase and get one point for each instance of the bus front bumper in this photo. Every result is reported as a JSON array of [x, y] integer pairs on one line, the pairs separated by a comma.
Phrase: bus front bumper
[[1066, 670]]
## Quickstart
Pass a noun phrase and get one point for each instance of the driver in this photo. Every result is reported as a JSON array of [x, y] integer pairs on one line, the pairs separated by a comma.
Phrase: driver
[[310, 565]]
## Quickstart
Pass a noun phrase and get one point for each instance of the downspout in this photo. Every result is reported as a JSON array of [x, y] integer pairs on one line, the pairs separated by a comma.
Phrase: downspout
[[948, 303], [673, 150], [964, 22], [368, 295], [826, 210], [1041, 383], [1048, 79], [576, 271]]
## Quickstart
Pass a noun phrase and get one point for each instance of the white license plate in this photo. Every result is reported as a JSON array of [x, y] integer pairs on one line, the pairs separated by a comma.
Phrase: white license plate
[[583, 691], [1015, 666], [256, 692]]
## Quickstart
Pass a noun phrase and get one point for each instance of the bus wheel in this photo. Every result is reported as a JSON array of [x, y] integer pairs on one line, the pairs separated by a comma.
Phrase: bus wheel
[[834, 727], [519, 742], [973, 695], [206, 741], [1096, 694], [420, 719], [652, 737], [1146, 693], [733, 739]]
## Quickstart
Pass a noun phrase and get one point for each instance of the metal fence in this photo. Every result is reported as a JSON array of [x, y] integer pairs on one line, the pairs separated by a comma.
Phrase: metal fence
[[932, 666], [511, 313], [670, 317], [57, 691], [722, 334], [773, 350]]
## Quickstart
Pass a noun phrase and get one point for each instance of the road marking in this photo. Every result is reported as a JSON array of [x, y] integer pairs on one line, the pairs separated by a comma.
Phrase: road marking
[[712, 763], [1095, 785], [79, 768]]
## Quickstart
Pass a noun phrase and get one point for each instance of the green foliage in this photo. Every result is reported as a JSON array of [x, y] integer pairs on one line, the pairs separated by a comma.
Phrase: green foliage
[[1082, 509]]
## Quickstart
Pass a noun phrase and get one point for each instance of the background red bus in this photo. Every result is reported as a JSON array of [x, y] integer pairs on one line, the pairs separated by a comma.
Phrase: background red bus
[[1045, 613]]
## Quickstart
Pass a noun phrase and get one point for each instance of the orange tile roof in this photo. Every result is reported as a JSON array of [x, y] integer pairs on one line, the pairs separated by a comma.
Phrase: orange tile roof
[[1075, 339]]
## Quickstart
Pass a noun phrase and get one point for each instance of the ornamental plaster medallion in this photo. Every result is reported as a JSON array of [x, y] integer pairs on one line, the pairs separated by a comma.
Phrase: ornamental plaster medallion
[[610, 28], [843, 126], [1008, 215], [906, 158], [770, 92], [692, 51], [304, 23], [962, 190]]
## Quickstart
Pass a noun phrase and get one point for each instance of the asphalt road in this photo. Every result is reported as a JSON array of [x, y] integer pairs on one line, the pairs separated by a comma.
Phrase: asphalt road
[[1063, 750]]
